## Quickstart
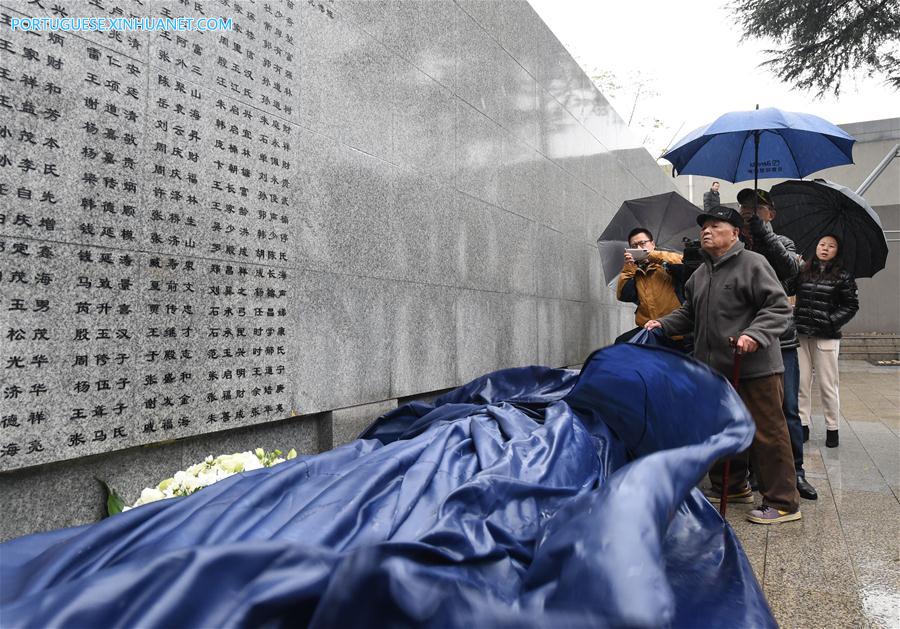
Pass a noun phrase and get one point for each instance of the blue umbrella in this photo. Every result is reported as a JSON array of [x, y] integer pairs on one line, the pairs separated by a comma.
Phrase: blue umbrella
[[762, 144]]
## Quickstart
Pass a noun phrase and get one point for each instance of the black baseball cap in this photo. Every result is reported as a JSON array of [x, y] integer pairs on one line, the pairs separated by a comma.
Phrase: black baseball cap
[[721, 213], [745, 198]]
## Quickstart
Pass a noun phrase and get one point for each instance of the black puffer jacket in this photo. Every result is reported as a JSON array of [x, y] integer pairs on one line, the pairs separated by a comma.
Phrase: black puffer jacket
[[826, 301]]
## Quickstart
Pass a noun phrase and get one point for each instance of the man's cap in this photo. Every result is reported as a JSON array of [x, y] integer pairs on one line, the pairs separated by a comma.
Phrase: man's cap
[[721, 213], [745, 198]]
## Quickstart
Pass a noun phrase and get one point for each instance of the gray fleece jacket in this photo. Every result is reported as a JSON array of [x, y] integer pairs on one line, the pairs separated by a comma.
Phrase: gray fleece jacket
[[737, 293]]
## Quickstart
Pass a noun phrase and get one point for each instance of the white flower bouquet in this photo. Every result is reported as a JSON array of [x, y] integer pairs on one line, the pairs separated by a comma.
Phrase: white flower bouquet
[[196, 477]]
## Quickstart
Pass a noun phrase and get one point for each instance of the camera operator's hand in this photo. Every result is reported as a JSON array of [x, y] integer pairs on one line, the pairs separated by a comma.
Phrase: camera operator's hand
[[629, 259], [746, 345], [652, 324]]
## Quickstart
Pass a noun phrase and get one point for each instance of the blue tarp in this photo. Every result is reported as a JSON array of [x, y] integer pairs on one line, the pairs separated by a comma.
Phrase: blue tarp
[[528, 497]]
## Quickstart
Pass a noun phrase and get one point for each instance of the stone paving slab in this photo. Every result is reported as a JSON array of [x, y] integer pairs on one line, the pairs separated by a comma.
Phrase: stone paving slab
[[840, 565]]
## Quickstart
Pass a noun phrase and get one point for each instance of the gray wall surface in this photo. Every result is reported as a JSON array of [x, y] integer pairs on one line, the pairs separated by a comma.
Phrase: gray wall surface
[[879, 297], [272, 235]]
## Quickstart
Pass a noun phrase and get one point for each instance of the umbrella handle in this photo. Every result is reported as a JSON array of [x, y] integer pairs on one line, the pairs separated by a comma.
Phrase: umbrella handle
[[735, 381], [755, 164], [738, 357]]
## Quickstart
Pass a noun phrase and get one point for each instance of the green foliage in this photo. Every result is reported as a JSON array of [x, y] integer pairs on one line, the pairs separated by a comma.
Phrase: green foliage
[[819, 42], [114, 502]]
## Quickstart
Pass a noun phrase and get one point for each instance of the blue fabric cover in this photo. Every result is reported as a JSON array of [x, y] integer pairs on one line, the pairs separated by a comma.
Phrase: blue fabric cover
[[528, 497]]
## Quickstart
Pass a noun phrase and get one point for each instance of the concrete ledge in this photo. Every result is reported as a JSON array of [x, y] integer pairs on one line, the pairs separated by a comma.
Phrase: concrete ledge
[[427, 398], [343, 425], [67, 493], [870, 346]]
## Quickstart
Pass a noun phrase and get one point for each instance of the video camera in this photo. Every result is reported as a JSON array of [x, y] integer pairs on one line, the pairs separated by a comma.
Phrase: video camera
[[691, 259]]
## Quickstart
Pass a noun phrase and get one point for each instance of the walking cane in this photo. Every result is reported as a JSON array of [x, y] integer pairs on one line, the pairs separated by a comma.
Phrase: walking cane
[[735, 381]]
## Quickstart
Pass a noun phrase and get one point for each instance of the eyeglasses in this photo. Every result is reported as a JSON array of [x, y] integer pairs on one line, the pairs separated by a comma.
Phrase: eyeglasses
[[639, 244]]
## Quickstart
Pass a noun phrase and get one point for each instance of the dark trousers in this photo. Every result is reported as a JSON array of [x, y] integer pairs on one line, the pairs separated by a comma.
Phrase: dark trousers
[[791, 406], [770, 452]]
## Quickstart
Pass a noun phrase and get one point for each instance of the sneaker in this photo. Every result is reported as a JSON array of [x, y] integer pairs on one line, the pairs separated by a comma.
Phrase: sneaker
[[831, 439], [745, 496], [805, 434], [770, 515]]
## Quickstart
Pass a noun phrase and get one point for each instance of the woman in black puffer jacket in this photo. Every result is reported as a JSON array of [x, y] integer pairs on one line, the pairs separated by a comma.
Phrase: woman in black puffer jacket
[[826, 301]]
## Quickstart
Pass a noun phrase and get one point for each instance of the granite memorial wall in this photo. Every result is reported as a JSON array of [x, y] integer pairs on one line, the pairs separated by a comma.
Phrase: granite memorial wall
[[268, 235]]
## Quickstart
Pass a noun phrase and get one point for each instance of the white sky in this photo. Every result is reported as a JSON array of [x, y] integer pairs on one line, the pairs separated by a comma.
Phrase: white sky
[[690, 54]]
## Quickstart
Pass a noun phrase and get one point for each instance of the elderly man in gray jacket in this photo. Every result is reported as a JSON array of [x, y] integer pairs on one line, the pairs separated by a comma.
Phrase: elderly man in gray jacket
[[736, 294]]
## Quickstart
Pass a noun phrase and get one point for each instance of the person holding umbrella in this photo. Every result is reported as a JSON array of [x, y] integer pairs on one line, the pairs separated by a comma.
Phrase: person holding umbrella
[[650, 282], [845, 240], [763, 144], [826, 301], [648, 275], [735, 295], [779, 252]]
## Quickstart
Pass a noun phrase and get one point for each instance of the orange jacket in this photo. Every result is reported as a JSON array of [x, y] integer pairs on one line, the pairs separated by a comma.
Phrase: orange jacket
[[655, 287]]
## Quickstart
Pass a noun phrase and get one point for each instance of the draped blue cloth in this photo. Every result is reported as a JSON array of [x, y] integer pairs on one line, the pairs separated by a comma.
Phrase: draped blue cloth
[[529, 497]]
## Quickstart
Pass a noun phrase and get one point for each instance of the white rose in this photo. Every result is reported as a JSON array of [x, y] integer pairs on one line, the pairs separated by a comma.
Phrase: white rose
[[250, 461], [209, 477], [168, 487], [231, 462], [210, 470], [191, 484], [151, 494]]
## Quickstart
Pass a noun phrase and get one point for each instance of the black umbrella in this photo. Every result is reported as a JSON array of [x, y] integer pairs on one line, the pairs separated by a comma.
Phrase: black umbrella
[[669, 216], [808, 210]]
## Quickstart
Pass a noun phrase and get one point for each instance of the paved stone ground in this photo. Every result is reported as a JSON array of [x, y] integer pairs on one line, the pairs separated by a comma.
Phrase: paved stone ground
[[839, 565]]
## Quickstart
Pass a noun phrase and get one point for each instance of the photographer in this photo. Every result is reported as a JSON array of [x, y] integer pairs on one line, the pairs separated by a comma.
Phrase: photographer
[[779, 252], [650, 283]]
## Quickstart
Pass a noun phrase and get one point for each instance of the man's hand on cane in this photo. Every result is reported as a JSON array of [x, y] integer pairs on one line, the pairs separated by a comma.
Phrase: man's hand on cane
[[746, 345]]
